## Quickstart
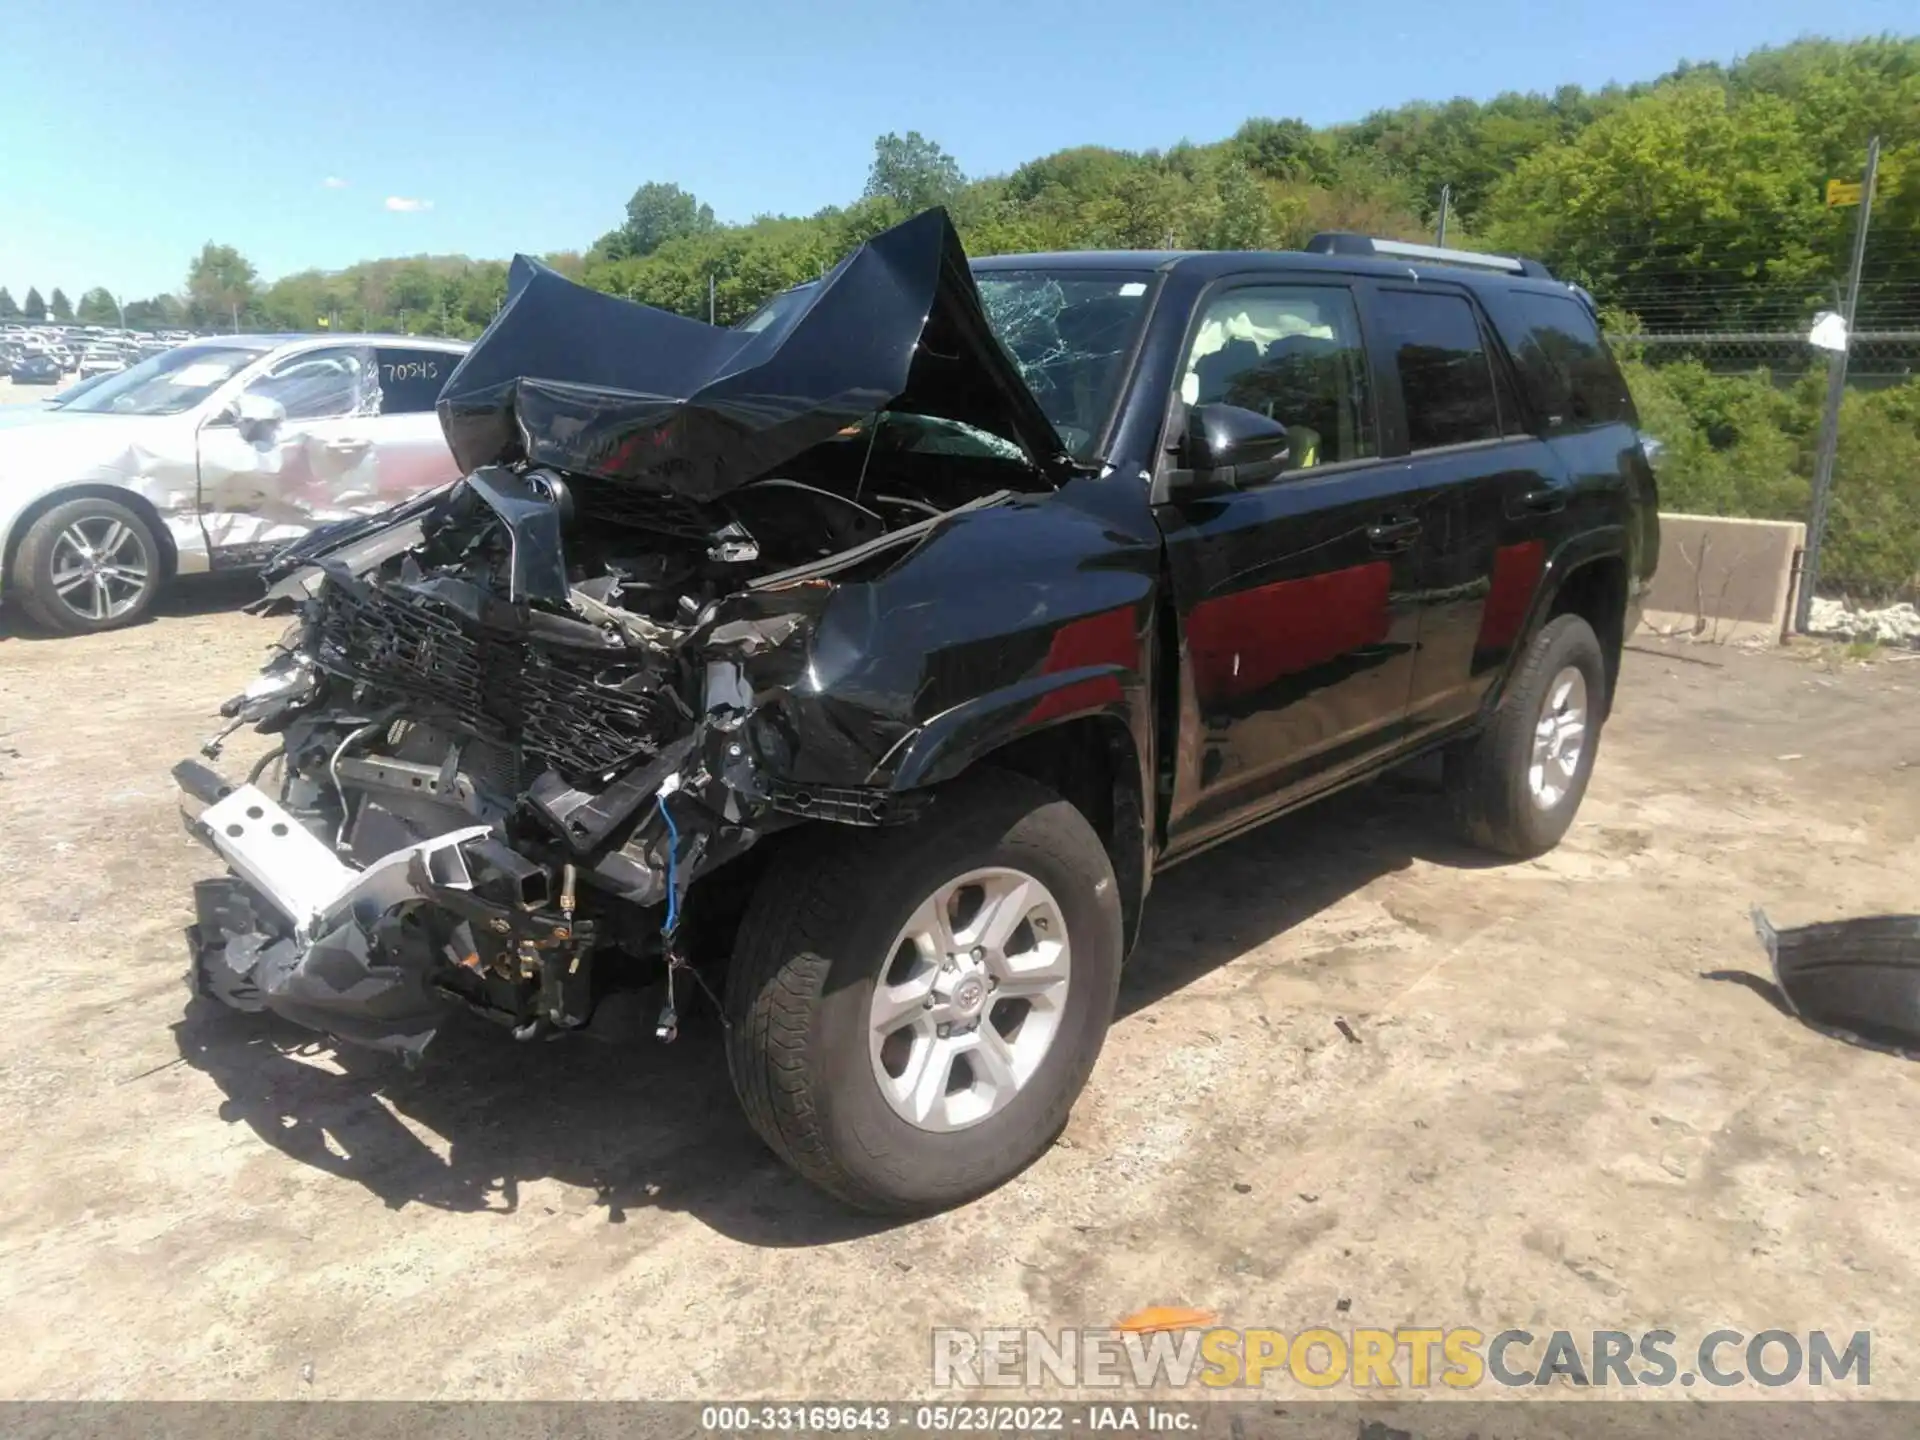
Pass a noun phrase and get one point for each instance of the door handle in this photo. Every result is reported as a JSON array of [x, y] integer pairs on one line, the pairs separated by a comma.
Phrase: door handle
[[1392, 533], [1547, 500]]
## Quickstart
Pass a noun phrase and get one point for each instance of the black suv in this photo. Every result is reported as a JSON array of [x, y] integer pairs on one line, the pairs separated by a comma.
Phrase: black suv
[[859, 666]]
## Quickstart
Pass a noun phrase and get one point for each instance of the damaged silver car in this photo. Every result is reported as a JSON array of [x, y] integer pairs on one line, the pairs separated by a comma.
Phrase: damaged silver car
[[209, 456]]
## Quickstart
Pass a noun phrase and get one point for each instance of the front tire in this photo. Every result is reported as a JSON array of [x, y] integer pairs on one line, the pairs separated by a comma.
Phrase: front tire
[[914, 1010], [1516, 786], [88, 565]]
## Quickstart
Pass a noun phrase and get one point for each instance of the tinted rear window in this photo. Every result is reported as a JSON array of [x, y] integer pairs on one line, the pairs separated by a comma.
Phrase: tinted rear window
[[1445, 379], [410, 380], [1564, 364]]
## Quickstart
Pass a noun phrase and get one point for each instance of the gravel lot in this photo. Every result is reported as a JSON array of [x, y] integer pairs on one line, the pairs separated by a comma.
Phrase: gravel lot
[[12, 394], [1558, 1112]]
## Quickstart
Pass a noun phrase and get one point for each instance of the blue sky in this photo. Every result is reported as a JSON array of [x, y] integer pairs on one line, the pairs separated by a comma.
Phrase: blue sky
[[316, 134]]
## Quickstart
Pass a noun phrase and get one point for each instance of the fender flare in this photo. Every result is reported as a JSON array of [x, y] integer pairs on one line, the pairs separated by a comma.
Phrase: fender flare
[[950, 742]]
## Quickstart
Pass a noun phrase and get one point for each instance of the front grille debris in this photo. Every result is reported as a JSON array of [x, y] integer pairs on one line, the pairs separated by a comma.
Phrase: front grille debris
[[585, 712]]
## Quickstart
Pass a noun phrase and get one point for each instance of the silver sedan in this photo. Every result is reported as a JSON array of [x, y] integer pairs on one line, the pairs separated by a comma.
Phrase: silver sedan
[[210, 456]]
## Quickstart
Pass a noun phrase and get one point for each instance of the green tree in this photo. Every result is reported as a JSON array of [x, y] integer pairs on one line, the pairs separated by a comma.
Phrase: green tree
[[97, 307], [160, 312], [912, 171], [1283, 150], [60, 306], [35, 308], [1692, 206], [1241, 214], [220, 284], [656, 213], [1467, 146], [8, 309]]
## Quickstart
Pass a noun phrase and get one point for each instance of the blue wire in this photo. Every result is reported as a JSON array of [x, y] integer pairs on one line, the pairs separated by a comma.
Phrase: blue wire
[[673, 889]]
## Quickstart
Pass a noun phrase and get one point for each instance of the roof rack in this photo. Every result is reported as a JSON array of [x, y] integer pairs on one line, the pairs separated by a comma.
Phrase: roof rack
[[1339, 242]]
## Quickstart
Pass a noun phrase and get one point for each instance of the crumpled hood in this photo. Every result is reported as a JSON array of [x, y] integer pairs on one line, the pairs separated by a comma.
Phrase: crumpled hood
[[594, 384], [65, 445]]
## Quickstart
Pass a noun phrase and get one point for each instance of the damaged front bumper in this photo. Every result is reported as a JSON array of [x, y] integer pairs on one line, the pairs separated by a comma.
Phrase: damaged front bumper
[[372, 956]]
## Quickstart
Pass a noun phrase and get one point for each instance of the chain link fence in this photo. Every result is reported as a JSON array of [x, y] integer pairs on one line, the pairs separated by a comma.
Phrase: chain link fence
[[1738, 416], [1877, 358]]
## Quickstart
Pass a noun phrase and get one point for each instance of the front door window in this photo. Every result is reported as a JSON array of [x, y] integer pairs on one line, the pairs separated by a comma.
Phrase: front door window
[[1293, 354]]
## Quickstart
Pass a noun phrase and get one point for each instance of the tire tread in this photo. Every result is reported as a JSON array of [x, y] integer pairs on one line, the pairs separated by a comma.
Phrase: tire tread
[[806, 904], [1485, 783]]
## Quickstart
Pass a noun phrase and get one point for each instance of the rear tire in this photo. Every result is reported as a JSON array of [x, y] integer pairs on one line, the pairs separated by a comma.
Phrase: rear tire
[[823, 951], [1514, 788], [88, 565]]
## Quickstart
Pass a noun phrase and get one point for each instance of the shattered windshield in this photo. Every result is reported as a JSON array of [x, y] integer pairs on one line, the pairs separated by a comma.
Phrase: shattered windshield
[[1070, 332], [777, 311], [170, 382]]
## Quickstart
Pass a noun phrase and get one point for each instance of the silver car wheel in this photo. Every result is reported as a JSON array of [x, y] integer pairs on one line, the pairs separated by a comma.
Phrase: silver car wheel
[[971, 999], [1559, 738], [99, 568]]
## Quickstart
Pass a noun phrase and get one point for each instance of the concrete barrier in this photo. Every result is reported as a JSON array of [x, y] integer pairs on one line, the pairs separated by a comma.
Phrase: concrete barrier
[[1725, 579]]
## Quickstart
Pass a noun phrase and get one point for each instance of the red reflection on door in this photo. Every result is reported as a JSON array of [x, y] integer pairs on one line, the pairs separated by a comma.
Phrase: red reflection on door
[[1108, 638], [1516, 570], [1243, 642]]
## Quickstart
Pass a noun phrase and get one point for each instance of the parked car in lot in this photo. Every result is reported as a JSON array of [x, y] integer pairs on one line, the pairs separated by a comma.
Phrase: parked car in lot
[[210, 456], [34, 367], [861, 666], [100, 360]]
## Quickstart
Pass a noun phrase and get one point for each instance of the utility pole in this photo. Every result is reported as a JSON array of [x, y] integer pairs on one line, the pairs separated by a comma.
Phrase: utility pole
[[1829, 444], [1446, 205], [710, 294]]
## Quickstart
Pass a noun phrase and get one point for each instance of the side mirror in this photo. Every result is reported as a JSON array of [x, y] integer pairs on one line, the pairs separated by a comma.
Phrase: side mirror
[[258, 416], [1228, 448]]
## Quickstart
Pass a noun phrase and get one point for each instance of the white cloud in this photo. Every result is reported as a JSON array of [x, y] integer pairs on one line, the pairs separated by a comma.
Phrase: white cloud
[[333, 182], [406, 204]]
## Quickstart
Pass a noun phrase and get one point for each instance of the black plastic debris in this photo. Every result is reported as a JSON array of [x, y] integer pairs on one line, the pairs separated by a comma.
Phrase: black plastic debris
[[1855, 979]]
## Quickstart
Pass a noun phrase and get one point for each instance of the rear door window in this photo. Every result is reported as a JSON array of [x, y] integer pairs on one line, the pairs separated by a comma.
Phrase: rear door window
[[1446, 380], [1563, 362], [410, 379]]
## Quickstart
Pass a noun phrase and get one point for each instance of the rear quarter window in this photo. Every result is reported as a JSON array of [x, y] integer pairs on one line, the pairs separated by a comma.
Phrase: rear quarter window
[[410, 380], [1569, 375]]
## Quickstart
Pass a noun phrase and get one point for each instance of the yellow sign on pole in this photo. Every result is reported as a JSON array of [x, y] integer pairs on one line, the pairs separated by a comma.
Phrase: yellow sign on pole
[[1843, 192]]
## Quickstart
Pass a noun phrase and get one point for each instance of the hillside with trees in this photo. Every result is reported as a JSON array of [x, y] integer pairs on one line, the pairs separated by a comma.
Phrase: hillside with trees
[[1687, 204]]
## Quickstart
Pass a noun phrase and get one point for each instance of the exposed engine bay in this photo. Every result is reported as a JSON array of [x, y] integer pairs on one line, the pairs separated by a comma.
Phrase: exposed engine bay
[[536, 688], [517, 719]]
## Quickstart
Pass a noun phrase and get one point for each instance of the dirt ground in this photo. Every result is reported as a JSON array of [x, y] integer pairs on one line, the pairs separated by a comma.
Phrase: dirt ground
[[12, 394], [1563, 1106]]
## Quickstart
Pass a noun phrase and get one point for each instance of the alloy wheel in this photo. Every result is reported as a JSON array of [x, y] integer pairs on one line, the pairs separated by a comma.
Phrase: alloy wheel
[[100, 568], [1559, 738], [971, 999]]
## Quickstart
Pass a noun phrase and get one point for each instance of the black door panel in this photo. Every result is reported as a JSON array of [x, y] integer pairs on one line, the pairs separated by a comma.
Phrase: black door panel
[[1491, 489], [1297, 630], [1481, 560]]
